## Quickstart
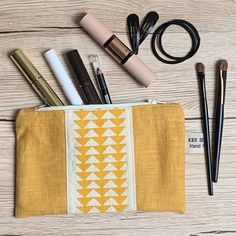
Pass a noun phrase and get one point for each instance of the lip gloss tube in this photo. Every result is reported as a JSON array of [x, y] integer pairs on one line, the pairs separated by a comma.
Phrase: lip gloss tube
[[83, 77], [118, 50]]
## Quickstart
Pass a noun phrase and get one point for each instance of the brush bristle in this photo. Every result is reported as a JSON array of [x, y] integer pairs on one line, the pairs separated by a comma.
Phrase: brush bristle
[[223, 64], [200, 68]]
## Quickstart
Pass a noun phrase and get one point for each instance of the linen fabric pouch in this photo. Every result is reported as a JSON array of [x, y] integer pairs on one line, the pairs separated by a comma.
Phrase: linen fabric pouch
[[100, 158]]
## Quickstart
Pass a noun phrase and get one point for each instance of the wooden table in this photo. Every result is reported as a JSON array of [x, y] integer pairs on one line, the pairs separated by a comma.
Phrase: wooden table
[[38, 25]]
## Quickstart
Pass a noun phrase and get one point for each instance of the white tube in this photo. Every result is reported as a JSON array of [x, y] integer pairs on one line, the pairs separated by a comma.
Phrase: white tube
[[62, 77]]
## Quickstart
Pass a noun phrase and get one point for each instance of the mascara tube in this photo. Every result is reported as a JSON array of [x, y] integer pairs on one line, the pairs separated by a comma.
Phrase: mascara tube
[[118, 50], [36, 80], [62, 77]]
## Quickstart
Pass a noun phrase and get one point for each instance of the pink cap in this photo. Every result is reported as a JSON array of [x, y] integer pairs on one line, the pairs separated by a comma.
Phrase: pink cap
[[139, 70], [133, 65], [96, 29]]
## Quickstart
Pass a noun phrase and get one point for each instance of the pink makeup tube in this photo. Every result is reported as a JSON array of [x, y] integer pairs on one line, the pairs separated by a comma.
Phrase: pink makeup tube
[[118, 50]]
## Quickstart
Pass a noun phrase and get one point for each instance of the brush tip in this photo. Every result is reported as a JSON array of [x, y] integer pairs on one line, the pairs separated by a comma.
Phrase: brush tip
[[223, 64], [200, 68]]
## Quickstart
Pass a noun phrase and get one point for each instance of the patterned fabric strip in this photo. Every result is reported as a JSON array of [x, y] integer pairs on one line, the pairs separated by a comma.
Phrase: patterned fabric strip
[[100, 168]]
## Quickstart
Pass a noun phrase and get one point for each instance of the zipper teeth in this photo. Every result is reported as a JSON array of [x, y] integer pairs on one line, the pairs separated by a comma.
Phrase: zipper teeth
[[90, 106], [94, 106]]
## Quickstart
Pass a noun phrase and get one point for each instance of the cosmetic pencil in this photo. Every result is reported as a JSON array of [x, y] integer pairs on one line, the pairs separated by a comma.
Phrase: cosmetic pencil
[[223, 66], [36, 80], [83, 77], [103, 87], [100, 79], [206, 130], [62, 77]]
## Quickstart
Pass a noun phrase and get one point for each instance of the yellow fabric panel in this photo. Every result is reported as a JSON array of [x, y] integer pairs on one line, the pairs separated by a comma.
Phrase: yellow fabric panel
[[108, 194], [41, 163], [159, 142]]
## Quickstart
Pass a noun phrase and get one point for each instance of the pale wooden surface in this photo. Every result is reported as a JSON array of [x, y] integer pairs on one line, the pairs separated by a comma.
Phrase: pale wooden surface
[[38, 25]]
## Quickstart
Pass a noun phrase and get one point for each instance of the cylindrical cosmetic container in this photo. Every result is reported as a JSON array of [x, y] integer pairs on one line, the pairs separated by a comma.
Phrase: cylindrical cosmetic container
[[62, 77], [118, 50]]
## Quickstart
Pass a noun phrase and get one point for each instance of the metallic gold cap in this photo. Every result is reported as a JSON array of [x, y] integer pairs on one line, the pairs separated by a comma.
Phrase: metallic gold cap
[[36, 80], [25, 65]]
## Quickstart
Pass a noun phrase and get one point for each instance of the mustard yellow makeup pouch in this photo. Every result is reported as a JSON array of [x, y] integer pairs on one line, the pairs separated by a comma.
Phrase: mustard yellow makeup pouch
[[102, 158]]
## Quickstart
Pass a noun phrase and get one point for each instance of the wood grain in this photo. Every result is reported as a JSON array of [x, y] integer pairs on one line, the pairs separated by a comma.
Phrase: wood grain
[[35, 26], [204, 213], [211, 15], [176, 83]]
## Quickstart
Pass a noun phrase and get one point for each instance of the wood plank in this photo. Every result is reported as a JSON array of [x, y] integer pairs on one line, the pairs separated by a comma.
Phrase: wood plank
[[204, 213], [207, 15], [175, 83], [36, 25]]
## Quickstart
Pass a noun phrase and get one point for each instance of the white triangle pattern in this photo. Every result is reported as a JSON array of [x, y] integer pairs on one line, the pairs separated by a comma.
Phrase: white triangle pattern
[[102, 189], [92, 160], [91, 125]]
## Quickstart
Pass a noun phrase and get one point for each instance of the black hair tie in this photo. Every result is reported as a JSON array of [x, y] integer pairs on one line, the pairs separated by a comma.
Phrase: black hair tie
[[157, 41]]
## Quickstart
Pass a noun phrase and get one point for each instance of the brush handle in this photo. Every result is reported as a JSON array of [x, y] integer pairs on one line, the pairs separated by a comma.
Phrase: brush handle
[[219, 125], [206, 129], [218, 139]]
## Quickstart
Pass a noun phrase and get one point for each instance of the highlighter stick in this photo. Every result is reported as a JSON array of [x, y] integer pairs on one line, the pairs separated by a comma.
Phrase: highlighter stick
[[62, 77]]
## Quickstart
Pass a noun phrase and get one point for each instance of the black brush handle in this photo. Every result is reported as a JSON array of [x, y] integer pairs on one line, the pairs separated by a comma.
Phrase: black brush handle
[[206, 132], [219, 125], [218, 138]]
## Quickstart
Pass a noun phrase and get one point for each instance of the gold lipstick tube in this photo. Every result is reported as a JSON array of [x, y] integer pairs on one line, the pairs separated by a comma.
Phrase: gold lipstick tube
[[39, 84]]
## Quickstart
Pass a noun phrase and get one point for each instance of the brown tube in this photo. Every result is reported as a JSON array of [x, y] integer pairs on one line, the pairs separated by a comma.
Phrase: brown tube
[[83, 77]]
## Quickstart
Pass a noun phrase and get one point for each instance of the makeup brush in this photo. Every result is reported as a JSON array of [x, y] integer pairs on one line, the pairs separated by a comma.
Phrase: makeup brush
[[206, 131], [223, 66]]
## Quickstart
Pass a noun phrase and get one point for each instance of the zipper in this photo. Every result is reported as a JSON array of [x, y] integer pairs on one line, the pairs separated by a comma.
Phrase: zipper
[[94, 106]]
